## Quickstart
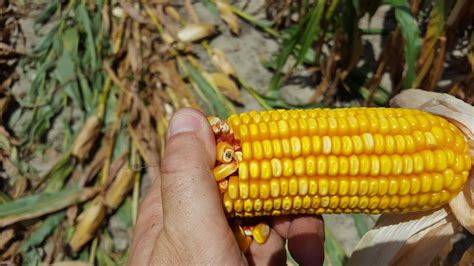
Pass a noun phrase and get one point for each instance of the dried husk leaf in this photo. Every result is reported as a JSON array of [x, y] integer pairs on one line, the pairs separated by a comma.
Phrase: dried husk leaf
[[220, 62], [195, 32], [90, 221], [228, 16], [382, 244], [86, 137], [427, 244], [226, 85], [462, 115], [119, 188], [173, 13]]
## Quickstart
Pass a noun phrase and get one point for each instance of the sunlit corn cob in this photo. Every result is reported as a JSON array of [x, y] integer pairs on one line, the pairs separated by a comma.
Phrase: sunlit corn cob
[[369, 160]]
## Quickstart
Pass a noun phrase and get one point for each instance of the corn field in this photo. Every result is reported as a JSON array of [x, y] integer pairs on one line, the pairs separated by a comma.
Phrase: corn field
[[87, 89]]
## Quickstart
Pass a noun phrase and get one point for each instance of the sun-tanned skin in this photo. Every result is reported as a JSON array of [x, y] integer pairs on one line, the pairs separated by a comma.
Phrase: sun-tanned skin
[[181, 220]]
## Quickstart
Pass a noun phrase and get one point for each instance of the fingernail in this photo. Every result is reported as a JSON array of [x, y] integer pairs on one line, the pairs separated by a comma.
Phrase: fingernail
[[184, 121]]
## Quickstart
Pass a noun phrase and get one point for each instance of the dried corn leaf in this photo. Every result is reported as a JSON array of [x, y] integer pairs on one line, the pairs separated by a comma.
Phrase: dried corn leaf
[[197, 31], [228, 16], [226, 85], [86, 137], [220, 62], [5, 237], [90, 221], [41, 204]]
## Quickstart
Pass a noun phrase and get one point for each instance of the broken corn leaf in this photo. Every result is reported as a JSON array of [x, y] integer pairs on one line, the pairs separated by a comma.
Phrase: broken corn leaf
[[197, 31]]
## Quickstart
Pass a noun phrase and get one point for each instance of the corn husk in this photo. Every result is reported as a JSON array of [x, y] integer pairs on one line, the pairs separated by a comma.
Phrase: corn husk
[[90, 221], [119, 188], [417, 238], [197, 31], [228, 16], [86, 138]]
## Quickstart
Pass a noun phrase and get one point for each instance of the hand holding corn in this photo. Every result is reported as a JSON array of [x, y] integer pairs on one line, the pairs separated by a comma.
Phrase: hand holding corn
[[182, 220]]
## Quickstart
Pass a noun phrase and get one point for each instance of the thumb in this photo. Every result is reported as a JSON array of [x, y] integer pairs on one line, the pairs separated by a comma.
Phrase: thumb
[[190, 194]]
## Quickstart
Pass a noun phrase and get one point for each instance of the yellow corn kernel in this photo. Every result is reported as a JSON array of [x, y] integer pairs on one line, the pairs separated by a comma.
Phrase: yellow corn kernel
[[303, 186], [224, 170], [254, 169], [265, 169], [274, 187], [264, 189], [233, 188], [260, 233], [283, 186], [293, 186], [244, 189], [263, 130], [254, 188], [286, 148], [277, 169]]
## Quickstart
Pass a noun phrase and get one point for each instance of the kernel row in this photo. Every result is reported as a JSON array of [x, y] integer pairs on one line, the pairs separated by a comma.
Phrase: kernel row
[[337, 126], [352, 186], [346, 145], [255, 116], [356, 165], [296, 203]]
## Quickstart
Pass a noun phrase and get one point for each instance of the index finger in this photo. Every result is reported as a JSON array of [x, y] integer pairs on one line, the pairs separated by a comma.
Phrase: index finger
[[305, 234]]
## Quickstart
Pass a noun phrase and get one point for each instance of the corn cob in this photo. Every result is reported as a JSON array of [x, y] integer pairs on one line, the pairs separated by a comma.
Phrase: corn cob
[[348, 160]]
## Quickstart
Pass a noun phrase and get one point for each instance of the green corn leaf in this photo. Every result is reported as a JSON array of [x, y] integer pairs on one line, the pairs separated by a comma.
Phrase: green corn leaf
[[411, 37], [40, 204], [84, 20], [211, 7], [47, 13], [104, 259], [335, 254], [46, 228], [311, 32], [360, 224], [57, 176], [46, 42], [220, 104]]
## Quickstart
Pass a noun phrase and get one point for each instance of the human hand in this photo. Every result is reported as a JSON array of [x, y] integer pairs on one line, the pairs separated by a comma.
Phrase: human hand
[[181, 220]]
